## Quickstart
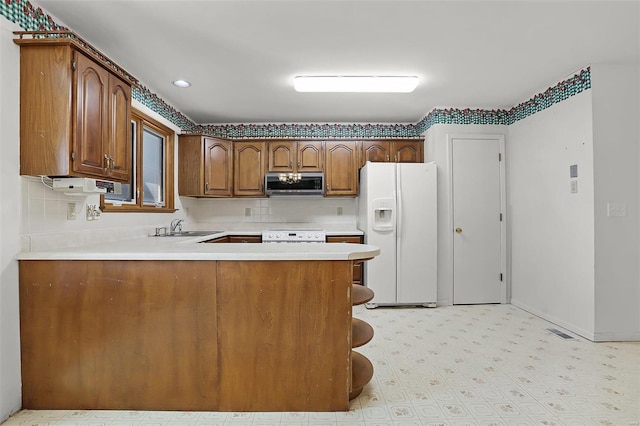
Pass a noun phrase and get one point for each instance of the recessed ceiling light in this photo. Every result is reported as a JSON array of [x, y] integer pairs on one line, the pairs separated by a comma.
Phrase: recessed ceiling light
[[181, 83], [381, 84]]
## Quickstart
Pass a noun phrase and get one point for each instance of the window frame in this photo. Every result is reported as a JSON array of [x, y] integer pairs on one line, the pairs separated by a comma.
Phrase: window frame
[[142, 121]]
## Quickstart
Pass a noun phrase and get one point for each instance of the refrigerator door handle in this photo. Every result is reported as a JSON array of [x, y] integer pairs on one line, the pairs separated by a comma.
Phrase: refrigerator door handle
[[399, 214]]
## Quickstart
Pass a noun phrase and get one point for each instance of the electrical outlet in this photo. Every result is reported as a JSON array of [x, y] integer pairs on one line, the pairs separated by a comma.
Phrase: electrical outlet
[[71, 211], [616, 209], [247, 211], [339, 213], [93, 212]]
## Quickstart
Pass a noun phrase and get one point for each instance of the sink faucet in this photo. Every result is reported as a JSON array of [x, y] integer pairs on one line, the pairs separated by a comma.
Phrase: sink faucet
[[176, 224]]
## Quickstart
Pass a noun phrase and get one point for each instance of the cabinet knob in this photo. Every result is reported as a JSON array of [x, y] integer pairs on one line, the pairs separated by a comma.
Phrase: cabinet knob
[[458, 230]]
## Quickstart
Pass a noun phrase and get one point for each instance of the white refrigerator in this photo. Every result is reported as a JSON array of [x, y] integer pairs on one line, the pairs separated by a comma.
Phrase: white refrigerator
[[397, 211]]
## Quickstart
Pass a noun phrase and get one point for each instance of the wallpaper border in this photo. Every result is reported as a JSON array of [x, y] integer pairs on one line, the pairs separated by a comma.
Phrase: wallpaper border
[[29, 18]]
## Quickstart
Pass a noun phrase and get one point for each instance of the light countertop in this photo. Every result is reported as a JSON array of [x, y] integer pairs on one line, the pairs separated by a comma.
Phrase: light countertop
[[192, 248]]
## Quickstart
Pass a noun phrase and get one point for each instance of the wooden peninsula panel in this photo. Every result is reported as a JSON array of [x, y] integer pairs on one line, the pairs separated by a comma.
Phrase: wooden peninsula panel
[[284, 335], [200, 335], [118, 335]]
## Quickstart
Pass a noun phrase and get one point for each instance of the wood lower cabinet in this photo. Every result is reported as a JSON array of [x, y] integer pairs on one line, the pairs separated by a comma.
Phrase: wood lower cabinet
[[237, 239], [341, 168], [75, 113], [245, 239], [357, 265], [190, 335], [205, 166], [250, 165], [395, 151]]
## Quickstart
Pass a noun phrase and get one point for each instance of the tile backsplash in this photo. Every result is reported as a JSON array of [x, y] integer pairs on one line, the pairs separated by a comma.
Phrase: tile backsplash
[[44, 211], [272, 210], [45, 225]]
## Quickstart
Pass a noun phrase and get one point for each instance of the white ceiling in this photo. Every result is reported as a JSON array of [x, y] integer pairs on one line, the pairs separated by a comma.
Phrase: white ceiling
[[241, 55]]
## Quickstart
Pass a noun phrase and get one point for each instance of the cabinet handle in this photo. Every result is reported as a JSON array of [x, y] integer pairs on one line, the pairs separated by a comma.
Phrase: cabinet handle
[[387, 157], [290, 165], [206, 186], [106, 162], [111, 163], [298, 164]]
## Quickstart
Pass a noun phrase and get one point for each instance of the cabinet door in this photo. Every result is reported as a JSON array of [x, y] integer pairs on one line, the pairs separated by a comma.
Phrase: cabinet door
[[91, 116], [218, 240], [282, 156], [249, 165], [309, 157], [341, 168], [245, 239], [120, 144], [375, 151], [407, 152], [218, 167], [357, 265]]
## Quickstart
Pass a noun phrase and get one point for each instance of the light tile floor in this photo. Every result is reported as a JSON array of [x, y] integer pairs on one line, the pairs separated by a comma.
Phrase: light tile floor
[[462, 365]]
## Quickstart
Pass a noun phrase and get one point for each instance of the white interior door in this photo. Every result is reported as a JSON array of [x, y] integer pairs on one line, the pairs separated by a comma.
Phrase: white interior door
[[477, 226]]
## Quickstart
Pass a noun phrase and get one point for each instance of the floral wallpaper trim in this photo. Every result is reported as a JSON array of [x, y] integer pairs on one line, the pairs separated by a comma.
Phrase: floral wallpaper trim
[[312, 131], [157, 104], [29, 18]]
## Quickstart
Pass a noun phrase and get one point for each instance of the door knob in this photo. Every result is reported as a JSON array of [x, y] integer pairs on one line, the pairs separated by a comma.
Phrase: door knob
[[458, 230]]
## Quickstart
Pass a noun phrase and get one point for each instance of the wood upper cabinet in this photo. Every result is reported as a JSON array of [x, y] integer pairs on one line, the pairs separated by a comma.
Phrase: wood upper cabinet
[[218, 167], [341, 168], [375, 151], [75, 114], [205, 166], [408, 152], [397, 151], [250, 165], [295, 156]]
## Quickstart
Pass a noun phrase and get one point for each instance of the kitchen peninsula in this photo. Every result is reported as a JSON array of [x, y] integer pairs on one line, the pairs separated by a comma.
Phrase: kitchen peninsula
[[172, 324]]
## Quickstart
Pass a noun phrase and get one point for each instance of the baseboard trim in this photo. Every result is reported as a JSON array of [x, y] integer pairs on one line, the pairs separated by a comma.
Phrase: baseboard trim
[[587, 334]]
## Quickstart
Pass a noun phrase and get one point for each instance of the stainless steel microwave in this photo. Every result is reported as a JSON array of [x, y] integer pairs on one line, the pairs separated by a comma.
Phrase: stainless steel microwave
[[294, 184]]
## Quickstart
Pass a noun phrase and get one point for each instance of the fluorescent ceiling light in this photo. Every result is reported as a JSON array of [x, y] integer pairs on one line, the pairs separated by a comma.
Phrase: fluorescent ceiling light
[[388, 84], [181, 83]]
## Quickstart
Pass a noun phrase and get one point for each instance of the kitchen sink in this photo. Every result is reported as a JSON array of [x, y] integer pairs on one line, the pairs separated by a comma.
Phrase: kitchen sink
[[189, 234]]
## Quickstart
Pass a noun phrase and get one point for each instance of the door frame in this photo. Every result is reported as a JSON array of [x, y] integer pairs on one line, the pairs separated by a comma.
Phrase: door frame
[[504, 291]]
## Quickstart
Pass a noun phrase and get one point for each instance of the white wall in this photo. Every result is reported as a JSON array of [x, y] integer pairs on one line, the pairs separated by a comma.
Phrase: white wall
[[10, 383], [616, 113], [551, 229], [436, 149]]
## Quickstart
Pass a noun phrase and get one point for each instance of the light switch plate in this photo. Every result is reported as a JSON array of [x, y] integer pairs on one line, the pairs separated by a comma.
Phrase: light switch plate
[[71, 211], [574, 186]]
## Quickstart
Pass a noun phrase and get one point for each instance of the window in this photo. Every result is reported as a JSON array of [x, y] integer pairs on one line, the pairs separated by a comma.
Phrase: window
[[151, 189]]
